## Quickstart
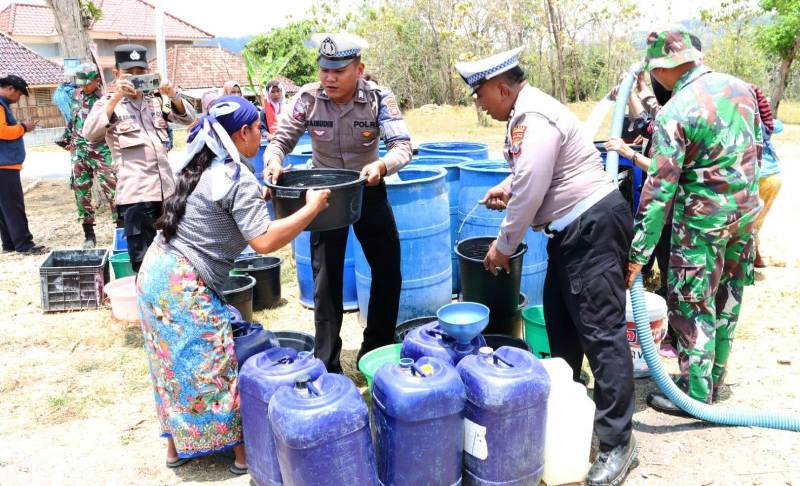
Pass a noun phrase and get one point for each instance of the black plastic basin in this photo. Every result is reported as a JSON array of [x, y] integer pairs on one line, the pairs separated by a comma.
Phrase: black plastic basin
[[289, 195]]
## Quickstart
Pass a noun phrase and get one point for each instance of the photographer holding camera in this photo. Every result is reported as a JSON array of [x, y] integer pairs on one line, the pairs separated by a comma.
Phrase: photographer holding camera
[[132, 122]]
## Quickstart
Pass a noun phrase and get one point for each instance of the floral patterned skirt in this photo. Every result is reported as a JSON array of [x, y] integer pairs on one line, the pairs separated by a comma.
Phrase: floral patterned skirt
[[189, 346]]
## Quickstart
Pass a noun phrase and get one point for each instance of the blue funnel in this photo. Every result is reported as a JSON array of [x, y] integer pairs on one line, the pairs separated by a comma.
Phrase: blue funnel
[[463, 320]]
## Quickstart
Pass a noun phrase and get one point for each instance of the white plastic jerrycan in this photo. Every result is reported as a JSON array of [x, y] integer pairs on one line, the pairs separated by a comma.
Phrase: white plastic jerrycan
[[570, 422]]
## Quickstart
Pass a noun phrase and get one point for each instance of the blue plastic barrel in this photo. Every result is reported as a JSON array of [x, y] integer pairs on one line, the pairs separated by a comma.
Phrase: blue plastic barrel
[[258, 161], [471, 150], [505, 417], [305, 139], [120, 242], [626, 163], [301, 247], [418, 409], [301, 155], [321, 431], [298, 157], [453, 177], [259, 378], [476, 179], [419, 200], [249, 339]]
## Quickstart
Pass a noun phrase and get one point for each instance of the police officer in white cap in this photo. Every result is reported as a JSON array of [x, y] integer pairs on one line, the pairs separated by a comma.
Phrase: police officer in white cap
[[346, 116], [558, 185]]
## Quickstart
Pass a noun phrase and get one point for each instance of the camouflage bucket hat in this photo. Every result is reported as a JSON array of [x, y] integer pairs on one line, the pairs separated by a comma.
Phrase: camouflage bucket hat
[[85, 74], [669, 49]]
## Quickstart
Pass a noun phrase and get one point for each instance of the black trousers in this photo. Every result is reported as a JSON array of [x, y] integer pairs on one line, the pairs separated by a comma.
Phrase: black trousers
[[140, 219], [14, 230], [377, 233], [584, 309]]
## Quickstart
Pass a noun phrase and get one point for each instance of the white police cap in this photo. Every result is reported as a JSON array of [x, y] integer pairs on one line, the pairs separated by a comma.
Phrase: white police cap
[[337, 50], [476, 72]]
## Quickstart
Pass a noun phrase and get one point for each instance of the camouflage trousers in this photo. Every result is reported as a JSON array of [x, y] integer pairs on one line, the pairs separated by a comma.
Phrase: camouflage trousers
[[708, 270], [86, 165]]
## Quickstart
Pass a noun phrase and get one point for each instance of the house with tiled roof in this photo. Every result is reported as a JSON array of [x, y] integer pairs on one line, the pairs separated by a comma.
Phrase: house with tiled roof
[[122, 22], [197, 69], [42, 76]]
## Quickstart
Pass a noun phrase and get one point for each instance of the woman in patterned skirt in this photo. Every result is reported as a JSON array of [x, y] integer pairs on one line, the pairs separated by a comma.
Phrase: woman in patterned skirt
[[217, 209]]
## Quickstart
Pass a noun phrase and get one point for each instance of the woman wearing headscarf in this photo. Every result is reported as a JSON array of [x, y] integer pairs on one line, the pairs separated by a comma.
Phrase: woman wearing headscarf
[[230, 88], [274, 103], [217, 209]]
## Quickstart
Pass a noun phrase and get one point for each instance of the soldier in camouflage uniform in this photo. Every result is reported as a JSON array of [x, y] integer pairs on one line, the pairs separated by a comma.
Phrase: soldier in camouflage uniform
[[88, 159], [706, 149]]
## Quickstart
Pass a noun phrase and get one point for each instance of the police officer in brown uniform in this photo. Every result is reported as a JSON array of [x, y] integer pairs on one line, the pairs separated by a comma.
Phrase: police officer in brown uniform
[[134, 127], [345, 116]]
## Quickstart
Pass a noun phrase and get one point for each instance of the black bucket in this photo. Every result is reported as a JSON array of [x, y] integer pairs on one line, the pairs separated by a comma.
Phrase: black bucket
[[407, 326], [289, 195], [299, 341], [267, 272], [238, 292], [499, 293], [495, 341]]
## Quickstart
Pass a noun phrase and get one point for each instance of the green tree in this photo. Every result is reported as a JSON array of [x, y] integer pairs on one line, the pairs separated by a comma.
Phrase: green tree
[[285, 43], [731, 50], [781, 38]]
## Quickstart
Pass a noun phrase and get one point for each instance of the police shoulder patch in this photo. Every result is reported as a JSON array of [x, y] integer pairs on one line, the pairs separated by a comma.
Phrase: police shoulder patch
[[517, 135], [391, 104], [299, 109]]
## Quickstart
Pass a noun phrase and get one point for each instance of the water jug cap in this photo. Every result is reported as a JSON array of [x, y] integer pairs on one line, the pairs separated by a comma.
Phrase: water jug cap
[[485, 351], [303, 354], [302, 381], [406, 362]]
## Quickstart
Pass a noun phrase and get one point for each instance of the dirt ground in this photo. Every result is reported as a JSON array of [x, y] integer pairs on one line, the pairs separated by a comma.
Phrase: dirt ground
[[77, 405]]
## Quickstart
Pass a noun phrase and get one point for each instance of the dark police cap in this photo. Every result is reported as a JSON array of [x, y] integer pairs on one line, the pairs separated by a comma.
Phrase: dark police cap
[[128, 56], [16, 82]]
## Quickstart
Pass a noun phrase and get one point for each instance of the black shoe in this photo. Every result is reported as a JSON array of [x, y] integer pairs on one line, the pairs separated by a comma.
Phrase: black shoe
[[90, 240], [34, 250], [661, 403], [89, 243], [610, 468]]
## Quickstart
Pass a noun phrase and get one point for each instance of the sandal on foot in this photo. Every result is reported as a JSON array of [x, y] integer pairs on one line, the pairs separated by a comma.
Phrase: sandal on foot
[[178, 462], [234, 469]]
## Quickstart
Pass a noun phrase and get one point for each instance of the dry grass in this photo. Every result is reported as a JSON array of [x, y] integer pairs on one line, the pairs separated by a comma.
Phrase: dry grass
[[789, 112]]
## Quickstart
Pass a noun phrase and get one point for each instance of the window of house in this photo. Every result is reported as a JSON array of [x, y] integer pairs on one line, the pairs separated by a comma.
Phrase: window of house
[[41, 97]]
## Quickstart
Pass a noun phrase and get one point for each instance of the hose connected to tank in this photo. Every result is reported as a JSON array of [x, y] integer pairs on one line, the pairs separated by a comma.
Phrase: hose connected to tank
[[700, 410]]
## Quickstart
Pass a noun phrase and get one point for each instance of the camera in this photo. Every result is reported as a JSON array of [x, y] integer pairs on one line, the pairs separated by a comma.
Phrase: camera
[[146, 82]]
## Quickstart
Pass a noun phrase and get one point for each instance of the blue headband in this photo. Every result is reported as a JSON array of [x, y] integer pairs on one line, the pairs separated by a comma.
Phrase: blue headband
[[225, 116]]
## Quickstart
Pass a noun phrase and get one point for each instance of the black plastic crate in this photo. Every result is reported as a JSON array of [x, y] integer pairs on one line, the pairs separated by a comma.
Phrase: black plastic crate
[[73, 279]]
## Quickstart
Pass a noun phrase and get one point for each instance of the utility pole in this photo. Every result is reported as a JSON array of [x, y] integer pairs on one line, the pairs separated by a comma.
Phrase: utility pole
[[161, 45]]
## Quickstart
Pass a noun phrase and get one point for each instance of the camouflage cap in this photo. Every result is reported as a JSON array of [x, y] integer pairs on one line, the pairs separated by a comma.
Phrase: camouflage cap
[[669, 49], [86, 73]]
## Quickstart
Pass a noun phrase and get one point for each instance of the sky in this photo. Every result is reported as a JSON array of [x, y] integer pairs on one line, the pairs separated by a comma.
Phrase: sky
[[238, 18]]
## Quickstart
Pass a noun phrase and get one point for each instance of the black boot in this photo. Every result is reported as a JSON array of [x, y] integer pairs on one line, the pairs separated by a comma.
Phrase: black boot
[[89, 238], [611, 467], [661, 403]]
